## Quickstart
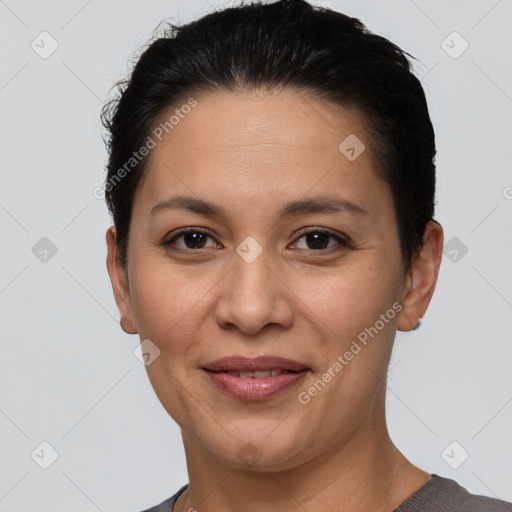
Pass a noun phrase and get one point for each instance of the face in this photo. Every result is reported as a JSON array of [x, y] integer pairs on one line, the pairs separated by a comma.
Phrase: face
[[297, 256]]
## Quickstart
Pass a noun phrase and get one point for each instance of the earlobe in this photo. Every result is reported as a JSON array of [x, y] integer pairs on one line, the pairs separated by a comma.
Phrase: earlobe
[[119, 282], [422, 278], [128, 326]]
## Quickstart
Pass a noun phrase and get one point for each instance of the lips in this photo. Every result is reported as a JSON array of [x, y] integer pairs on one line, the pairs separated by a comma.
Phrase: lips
[[254, 379], [259, 374], [246, 364]]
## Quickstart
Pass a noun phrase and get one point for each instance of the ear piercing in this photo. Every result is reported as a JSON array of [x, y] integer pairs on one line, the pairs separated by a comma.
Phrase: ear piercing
[[418, 324]]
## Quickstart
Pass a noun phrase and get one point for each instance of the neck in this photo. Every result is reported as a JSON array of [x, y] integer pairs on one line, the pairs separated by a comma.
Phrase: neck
[[366, 472]]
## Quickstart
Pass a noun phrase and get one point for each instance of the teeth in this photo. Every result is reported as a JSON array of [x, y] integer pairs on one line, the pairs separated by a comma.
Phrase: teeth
[[260, 374]]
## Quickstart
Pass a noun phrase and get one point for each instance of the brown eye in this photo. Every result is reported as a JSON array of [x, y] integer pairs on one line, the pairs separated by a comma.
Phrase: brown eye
[[319, 239], [192, 239]]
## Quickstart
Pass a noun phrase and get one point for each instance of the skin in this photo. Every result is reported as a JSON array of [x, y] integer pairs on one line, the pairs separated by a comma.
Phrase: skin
[[251, 152]]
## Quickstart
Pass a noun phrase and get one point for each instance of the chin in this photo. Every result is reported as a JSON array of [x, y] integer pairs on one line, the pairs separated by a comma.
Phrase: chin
[[258, 455]]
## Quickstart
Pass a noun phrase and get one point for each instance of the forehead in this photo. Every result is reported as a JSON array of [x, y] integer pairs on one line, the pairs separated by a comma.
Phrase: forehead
[[248, 144], [262, 120]]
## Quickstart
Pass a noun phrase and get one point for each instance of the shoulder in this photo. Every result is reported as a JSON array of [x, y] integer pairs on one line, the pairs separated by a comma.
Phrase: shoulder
[[168, 504], [477, 503], [441, 494]]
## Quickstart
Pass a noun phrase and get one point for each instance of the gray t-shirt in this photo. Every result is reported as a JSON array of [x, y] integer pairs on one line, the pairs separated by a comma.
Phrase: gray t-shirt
[[438, 494]]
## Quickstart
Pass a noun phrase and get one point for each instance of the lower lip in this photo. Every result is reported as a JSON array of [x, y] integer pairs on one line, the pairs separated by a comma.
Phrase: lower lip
[[254, 388]]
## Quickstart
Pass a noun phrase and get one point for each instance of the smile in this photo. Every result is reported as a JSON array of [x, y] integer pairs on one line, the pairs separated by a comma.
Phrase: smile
[[256, 385]]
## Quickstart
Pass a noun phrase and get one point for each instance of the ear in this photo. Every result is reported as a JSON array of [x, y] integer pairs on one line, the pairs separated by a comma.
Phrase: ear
[[422, 278], [120, 286]]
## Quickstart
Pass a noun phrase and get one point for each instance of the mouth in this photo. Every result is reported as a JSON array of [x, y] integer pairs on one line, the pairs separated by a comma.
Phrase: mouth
[[256, 364], [258, 374], [255, 379]]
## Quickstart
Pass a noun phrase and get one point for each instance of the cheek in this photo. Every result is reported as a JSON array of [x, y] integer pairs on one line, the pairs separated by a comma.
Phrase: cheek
[[167, 306], [168, 311], [347, 301], [356, 341]]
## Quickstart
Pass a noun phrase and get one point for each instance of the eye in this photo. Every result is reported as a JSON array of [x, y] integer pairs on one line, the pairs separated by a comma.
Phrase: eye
[[318, 238], [193, 238]]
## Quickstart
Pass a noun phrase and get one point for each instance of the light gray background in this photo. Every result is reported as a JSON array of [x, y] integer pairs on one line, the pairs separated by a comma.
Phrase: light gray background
[[68, 374]]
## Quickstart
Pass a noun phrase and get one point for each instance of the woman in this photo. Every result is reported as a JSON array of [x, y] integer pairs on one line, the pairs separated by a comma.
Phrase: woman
[[271, 180]]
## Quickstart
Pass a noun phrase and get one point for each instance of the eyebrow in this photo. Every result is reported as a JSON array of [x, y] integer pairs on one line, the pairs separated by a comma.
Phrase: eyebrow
[[318, 204]]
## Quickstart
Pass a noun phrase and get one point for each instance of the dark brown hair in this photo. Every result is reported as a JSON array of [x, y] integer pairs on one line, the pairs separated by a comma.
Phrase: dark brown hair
[[288, 43]]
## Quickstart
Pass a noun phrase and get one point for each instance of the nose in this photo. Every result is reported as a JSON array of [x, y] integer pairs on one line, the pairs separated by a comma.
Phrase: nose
[[253, 295]]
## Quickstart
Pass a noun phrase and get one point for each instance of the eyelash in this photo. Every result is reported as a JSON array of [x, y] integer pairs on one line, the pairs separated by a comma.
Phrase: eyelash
[[342, 241]]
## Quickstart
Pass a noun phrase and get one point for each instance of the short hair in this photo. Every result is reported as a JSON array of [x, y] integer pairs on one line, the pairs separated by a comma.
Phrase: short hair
[[285, 44]]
